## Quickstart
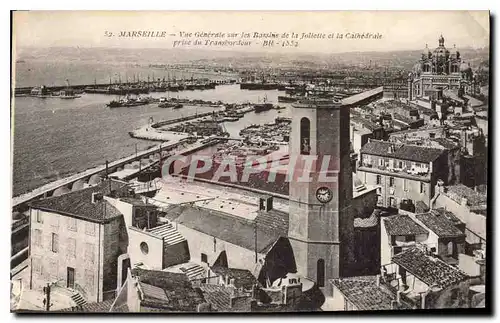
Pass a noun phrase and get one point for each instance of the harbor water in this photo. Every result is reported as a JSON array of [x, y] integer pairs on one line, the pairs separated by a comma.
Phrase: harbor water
[[55, 138]]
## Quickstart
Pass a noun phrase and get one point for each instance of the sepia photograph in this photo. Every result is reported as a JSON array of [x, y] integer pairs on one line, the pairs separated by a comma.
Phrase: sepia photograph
[[249, 162]]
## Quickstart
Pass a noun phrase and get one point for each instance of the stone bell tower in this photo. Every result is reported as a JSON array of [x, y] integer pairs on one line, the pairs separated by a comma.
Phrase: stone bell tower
[[320, 219]]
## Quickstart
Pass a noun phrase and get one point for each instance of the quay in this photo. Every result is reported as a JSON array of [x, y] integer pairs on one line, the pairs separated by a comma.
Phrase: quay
[[129, 87], [125, 169]]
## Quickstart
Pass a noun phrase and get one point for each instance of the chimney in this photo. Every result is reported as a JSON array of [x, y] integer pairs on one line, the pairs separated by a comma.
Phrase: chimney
[[422, 303], [463, 201], [96, 197], [378, 280], [266, 203], [398, 297]]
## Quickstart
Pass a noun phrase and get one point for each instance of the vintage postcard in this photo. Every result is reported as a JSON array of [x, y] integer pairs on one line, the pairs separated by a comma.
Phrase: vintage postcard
[[249, 161]]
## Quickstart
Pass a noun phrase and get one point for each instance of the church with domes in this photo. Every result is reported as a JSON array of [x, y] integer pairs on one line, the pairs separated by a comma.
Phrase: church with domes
[[439, 70]]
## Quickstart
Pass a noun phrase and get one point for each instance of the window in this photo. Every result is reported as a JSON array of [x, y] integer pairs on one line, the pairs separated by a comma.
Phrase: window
[[400, 164], [432, 135], [379, 179], [320, 274], [37, 238], [72, 224], [54, 221], [53, 265], [391, 181], [392, 202], [37, 265], [204, 258], [89, 279], [381, 162], [422, 188], [305, 136], [39, 218], [90, 228], [144, 248], [410, 238], [55, 242], [71, 248], [89, 252]]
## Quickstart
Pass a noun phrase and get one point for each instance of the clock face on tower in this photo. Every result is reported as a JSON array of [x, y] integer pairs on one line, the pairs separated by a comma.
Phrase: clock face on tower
[[324, 194]]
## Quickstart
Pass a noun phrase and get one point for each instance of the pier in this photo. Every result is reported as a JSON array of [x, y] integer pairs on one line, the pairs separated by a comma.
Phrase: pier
[[140, 87]]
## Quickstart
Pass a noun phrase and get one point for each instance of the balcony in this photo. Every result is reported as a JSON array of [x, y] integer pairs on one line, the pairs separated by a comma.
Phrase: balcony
[[420, 174]]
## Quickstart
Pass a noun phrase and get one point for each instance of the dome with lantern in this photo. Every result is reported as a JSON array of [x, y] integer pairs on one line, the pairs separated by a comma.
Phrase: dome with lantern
[[441, 51]]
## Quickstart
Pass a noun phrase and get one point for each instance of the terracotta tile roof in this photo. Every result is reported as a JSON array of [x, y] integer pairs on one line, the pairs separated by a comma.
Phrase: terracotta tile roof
[[403, 225], [121, 309], [365, 295], [274, 220], [439, 224], [429, 269], [180, 294], [421, 207], [218, 296], [446, 143], [223, 226], [96, 307], [456, 192], [242, 278], [79, 204], [402, 151], [369, 222], [448, 214]]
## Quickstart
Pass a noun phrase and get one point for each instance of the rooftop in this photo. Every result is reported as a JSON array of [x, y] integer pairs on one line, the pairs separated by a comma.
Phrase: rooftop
[[369, 222], [403, 225], [363, 292], [438, 223], [167, 291], [235, 230], [459, 191], [353, 99], [402, 151], [429, 269], [95, 307], [242, 278], [79, 204], [446, 143]]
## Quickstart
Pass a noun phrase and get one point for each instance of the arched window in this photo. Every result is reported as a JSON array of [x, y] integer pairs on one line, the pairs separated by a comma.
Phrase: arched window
[[320, 274], [305, 136]]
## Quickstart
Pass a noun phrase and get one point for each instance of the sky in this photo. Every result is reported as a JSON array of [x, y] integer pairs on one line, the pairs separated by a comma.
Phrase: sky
[[400, 30]]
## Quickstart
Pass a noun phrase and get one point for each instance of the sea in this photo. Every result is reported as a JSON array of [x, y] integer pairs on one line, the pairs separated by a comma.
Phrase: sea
[[55, 138]]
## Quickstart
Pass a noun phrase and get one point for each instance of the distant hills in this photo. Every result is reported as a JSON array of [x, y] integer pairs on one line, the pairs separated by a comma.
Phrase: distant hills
[[398, 59]]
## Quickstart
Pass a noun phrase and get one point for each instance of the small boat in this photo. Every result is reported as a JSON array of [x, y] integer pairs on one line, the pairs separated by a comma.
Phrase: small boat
[[68, 93]]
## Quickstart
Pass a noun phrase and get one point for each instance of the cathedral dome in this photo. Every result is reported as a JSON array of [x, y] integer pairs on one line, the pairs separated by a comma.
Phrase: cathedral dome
[[441, 50]]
